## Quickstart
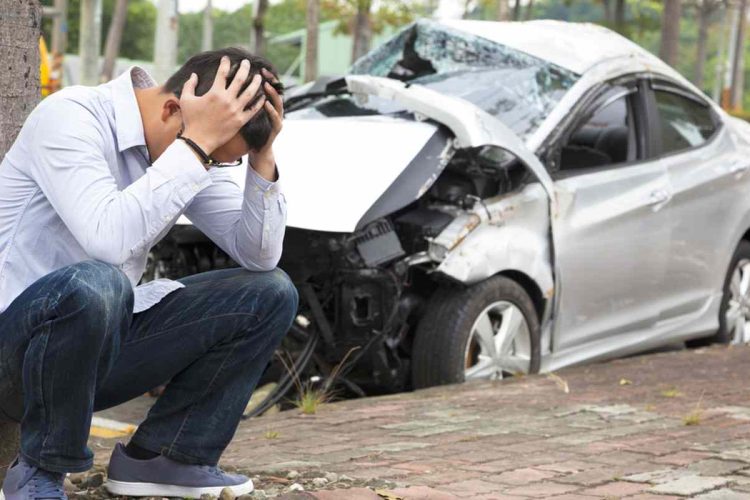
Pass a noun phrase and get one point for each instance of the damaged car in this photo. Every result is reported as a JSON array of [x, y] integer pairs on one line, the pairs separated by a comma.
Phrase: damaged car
[[477, 200]]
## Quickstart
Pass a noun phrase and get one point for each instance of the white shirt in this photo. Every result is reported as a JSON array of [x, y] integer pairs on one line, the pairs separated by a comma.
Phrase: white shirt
[[77, 185]]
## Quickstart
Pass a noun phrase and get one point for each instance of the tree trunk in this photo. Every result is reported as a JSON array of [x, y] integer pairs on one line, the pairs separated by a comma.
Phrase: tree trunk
[[529, 10], [259, 27], [738, 75], [207, 40], [517, 11], [619, 16], [670, 31], [362, 30], [608, 17], [20, 28], [311, 40], [704, 14], [503, 11], [114, 37]]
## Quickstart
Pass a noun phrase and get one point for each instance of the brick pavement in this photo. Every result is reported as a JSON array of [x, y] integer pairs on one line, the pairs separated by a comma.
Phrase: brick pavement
[[658, 426]]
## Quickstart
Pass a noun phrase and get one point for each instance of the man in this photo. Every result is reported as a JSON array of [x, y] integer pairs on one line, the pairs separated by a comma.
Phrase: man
[[95, 178]]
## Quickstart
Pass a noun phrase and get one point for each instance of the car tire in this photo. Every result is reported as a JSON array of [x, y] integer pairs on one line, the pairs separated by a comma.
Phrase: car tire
[[725, 334], [447, 338], [740, 259]]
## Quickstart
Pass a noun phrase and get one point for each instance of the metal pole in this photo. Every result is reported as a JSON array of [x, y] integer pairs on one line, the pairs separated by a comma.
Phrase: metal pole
[[60, 27], [165, 44], [208, 27], [90, 40]]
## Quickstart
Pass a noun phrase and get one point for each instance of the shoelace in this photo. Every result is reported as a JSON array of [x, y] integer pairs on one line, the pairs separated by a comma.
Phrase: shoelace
[[46, 485]]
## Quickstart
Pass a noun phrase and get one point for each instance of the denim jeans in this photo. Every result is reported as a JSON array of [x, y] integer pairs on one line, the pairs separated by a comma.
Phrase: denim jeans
[[70, 345]]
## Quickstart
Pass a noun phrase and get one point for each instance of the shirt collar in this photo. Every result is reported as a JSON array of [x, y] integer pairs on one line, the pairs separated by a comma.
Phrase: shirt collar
[[127, 115]]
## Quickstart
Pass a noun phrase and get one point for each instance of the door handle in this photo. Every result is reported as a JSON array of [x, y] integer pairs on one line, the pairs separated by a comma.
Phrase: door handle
[[659, 198], [738, 167]]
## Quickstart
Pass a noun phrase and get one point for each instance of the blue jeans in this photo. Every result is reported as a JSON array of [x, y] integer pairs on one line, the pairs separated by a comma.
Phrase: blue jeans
[[70, 345]]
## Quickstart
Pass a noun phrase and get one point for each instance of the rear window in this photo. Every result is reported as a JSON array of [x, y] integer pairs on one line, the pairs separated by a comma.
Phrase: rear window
[[684, 123]]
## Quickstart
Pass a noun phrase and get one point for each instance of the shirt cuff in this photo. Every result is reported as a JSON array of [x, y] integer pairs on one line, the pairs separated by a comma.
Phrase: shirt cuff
[[260, 181], [178, 162]]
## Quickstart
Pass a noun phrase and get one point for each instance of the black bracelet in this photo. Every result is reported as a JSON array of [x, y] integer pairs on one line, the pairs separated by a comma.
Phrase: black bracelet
[[207, 160]]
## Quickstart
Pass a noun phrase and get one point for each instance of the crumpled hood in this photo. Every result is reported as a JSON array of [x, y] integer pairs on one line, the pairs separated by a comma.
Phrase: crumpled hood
[[332, 170]]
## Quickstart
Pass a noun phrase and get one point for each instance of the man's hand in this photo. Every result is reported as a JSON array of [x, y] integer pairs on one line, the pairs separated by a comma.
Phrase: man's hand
[[212, 119], [263, 160]]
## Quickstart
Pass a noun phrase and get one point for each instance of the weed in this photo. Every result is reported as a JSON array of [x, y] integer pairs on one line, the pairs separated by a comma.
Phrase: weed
[[671, 393], [694, 417]]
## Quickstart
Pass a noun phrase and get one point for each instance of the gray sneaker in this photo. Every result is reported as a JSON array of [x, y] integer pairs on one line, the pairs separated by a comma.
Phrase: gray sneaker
[[27, 482], [163, 477]]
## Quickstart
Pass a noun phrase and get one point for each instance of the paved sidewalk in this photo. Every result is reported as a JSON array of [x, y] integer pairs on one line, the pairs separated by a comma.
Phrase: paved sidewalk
[[661, 426]]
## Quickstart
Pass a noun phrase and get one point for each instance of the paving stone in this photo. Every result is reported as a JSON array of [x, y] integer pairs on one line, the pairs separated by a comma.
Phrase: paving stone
[[689, 485], [348, 494], [523, 476], [398, 446], [421, 493], [714, 467], [682, 457], [722, 494], [617, 489], [471, 487], [542, 489]]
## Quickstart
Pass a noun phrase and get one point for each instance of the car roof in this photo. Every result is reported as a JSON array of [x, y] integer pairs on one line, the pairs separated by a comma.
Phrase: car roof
[[574, 46]]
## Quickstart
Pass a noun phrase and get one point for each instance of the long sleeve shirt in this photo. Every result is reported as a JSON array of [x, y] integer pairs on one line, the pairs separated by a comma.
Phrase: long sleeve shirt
[[77, 184]]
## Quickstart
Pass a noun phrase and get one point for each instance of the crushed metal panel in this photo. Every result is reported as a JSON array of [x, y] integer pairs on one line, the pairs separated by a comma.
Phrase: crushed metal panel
[[471, 126]]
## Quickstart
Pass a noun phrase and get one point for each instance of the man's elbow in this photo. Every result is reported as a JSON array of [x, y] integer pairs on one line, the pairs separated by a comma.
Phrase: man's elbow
[[106, 252]]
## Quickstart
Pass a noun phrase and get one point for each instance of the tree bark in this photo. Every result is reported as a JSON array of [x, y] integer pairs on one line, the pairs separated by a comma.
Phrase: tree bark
[[311, 40], [704, 15], [619, 16], [259, 27], [738, 74], [529, 10], [20, 28], [670, 31], [114, 37], [503, 11], [362, 29]]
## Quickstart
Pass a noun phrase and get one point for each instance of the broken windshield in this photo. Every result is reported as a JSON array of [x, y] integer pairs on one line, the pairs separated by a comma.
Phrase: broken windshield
[[517, 88]]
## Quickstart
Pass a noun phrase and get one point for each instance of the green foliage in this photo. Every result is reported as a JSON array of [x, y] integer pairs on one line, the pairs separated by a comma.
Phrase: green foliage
[[137, 39]]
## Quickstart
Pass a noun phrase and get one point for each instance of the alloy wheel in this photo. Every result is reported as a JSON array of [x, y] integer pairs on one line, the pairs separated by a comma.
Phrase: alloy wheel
[[737, 315], [499, 343]]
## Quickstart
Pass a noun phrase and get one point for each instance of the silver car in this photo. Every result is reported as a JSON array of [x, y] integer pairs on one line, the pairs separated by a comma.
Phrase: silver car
[[479, 199]]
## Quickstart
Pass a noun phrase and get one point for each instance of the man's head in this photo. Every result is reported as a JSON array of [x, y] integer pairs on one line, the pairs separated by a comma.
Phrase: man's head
[[255, 133]]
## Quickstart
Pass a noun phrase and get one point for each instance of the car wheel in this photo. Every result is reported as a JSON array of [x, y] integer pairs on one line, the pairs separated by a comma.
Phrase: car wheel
[[487, 331], [734, 316]]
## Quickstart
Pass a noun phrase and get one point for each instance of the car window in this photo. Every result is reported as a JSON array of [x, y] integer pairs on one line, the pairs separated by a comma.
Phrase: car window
[[684, 122], [606, 138]]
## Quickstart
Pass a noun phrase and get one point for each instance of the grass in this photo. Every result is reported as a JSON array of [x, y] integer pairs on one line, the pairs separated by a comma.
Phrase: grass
[[671, 393], [695, 416], [311, 398], [269, 434]]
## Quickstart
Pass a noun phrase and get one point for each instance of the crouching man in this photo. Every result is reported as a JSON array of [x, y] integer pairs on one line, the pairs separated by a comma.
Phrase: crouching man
[[95, 178]]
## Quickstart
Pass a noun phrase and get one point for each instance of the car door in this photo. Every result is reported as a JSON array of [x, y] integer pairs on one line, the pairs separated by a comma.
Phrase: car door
[[710, 182], [612, 230]]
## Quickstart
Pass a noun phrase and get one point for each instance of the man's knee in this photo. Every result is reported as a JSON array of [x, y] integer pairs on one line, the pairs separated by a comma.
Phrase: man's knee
[[101, 289], [274, 292]]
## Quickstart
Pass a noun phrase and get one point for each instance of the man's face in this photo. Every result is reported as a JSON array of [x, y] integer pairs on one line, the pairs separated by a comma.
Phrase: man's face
[[232, 151]]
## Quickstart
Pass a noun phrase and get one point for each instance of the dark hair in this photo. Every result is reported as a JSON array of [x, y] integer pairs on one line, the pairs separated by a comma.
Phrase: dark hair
[[258, 129]]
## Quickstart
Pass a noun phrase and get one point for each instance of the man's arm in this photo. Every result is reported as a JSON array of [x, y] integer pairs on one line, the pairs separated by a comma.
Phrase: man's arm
[[69, 165], [248, 226]]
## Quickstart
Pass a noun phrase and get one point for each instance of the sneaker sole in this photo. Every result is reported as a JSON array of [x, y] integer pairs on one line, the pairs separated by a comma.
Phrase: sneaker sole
[[170, 490]]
